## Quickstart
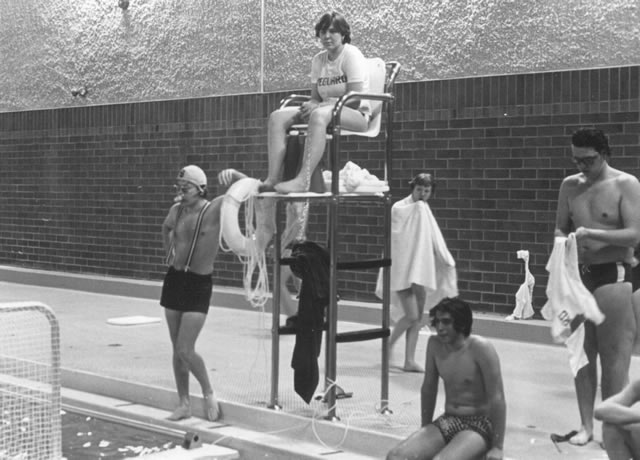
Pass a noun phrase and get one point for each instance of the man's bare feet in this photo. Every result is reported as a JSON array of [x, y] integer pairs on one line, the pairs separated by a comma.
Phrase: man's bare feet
[[211, 407], [182, 411], [582, 438], [412, 367], [292, 186]]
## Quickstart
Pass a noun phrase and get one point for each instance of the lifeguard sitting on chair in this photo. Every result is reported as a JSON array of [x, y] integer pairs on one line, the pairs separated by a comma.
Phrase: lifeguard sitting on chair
[[338, 69]]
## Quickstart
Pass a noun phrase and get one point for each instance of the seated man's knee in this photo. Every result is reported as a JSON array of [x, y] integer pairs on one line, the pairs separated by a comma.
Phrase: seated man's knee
[[395, 454], [445, 456], [612, 434]]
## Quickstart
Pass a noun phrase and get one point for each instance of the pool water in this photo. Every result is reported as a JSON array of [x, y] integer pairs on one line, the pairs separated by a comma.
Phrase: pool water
[[86, 437]]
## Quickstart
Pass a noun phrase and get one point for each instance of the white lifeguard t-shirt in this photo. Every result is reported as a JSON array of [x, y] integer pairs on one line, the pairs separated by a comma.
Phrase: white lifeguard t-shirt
[[331, 77]]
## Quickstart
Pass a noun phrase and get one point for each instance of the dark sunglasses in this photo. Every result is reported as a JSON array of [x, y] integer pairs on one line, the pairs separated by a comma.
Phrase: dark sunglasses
[[587, 162]]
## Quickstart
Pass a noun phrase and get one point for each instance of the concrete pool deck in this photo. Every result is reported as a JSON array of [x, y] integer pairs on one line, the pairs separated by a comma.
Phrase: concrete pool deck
[[125, 370]]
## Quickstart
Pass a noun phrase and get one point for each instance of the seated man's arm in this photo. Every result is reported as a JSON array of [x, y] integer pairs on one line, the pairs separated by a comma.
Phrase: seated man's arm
[[429, 391], [618, 408], [489, 362]]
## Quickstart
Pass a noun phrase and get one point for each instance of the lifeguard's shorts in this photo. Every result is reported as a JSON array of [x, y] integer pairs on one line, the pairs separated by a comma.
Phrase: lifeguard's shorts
[[186, 291]]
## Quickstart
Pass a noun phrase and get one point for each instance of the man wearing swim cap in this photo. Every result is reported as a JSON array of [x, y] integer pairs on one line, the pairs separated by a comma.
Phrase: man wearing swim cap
[[190, 235]]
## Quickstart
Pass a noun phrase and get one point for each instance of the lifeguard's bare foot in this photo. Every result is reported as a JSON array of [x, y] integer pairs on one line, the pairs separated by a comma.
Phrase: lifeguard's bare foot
[[182, 411], [295, 185], [211, 407]]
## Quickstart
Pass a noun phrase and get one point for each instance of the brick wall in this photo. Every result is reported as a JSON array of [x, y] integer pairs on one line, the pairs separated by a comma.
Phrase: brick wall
[[86, 189]]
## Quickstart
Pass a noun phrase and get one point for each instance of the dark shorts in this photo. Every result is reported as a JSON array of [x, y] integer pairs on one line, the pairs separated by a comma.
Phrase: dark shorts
[[451, 425], [635, 277], [596, 275], [186, 291]]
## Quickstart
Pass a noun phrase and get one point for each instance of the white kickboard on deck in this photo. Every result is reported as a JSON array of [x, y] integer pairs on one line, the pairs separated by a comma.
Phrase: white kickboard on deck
[[204, 452], [133, 320]]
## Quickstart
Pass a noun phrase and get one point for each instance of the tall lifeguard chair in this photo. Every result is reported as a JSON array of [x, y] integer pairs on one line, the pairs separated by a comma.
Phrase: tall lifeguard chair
[[382, 77]]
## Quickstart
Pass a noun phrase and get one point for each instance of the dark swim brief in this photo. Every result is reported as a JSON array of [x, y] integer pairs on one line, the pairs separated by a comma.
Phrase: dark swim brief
[[451, 425], [635, 277], [596, 275], [186, 291]]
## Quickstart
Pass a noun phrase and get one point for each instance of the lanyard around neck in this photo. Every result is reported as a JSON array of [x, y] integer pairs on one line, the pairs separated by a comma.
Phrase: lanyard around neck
[[196, 233]]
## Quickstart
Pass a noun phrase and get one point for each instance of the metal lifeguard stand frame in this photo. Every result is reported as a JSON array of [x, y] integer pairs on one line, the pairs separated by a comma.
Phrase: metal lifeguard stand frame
[[382, 78]]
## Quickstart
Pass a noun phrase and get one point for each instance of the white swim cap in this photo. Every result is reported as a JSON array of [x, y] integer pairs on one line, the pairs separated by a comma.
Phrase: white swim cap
[[194, 175]]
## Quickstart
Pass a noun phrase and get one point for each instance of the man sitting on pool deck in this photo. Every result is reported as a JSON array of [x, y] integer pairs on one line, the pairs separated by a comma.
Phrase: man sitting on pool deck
[[473, 423], [620, 416]]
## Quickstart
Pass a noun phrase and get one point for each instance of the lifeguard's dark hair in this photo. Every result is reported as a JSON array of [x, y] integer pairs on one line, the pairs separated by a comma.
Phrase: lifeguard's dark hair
[[460, 312], [592, 138], [423, 179], [338, 22]]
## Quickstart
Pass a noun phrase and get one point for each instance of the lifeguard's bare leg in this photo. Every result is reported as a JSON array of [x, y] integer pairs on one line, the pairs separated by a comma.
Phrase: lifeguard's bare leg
[[314, 146], [279, 123]]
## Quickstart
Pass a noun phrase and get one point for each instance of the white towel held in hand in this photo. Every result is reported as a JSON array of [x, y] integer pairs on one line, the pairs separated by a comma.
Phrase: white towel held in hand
[[568, 297]]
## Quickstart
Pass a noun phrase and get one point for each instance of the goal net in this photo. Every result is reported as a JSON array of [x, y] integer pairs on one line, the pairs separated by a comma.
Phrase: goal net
[[29, 382]]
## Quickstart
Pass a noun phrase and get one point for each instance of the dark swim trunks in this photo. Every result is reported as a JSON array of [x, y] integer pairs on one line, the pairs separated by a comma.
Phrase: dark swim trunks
[[596, 275], [451, 425], [635, 277], [186, 291]]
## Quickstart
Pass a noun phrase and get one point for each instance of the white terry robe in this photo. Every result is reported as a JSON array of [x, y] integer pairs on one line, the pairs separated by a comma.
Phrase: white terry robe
[[568, 297], [419, 255]]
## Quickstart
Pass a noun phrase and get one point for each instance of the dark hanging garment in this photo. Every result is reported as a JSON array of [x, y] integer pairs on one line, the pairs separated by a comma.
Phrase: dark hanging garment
[[311, 265]]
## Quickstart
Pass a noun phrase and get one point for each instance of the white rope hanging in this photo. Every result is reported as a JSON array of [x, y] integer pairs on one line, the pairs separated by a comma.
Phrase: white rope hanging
[[257, 294]]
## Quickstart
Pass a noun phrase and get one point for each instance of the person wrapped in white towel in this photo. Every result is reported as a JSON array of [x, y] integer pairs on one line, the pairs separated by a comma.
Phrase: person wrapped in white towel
[[422, 271]]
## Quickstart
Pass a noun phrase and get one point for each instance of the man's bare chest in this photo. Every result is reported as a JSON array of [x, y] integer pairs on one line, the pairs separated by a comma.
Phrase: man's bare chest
[[595, 205], [459, 369]]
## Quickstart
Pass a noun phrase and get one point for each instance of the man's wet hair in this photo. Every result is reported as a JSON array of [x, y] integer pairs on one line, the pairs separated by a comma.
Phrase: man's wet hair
[[592, 138], [423, 179], [338, 22], [460, 312]]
